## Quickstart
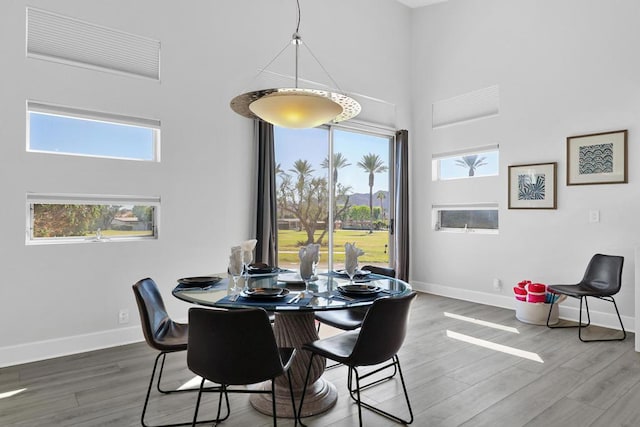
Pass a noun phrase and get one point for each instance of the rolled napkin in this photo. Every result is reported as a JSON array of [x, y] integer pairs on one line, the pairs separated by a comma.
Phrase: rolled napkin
[[247, 250], [235, 261], [309, 255], [351, 254]]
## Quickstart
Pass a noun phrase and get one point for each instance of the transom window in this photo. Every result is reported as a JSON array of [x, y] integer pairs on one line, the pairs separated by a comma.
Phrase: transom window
[[471, 163], [71, 131], [481, 218], [84, 218]]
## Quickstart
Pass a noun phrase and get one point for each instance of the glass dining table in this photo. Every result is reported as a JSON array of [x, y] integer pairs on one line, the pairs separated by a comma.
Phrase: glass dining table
[[293, 305]]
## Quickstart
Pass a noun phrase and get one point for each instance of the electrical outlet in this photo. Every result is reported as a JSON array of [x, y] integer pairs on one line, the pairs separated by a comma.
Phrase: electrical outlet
[[497, 285], [594, 216], [123, 316]]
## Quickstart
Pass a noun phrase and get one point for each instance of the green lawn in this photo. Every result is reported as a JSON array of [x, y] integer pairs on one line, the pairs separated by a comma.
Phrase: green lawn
[[373, 246]]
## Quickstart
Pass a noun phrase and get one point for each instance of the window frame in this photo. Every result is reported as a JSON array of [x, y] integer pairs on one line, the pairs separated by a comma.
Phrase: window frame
[[437, 158], [88, 199], [437, 209], [96, 116]]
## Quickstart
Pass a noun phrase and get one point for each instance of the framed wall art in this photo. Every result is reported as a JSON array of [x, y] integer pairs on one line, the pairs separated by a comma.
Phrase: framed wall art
[[532, 186], [598, 158]]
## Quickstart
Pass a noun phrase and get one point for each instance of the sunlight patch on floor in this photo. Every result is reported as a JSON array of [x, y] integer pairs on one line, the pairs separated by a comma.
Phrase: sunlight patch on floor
[[482, 322], [496, 347], [11, 393]]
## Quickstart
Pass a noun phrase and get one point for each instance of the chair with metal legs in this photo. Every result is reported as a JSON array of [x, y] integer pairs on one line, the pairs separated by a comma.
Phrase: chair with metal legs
[[237, 347], [378, 341], [163, 334], [602, 280]]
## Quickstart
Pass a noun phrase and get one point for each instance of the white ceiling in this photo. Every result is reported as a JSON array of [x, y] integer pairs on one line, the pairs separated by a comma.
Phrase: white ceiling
[[420, 3]]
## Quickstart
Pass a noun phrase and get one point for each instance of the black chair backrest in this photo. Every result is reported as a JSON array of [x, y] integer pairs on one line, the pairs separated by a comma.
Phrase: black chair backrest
[[232, 347], [382, 271], [604, 273], [383, 331], [153, 314]]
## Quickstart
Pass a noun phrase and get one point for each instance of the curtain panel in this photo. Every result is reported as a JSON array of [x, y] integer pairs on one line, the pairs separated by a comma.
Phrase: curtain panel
[[401, 220], [266, 219]]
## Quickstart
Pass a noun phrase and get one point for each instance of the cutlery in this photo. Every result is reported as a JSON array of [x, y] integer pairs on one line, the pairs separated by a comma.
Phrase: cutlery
[[342, 297], [295, 299]]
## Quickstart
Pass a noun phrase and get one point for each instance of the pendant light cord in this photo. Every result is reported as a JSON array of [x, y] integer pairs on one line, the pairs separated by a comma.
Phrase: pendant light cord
[[298, 26]]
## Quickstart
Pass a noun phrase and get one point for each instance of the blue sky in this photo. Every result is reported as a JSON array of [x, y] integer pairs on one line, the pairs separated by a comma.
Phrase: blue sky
[[60, 134], [312, 145]]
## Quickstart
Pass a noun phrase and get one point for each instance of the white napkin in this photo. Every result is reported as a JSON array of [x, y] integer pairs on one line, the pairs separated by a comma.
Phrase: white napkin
[[247, 250], [351, 254], [235, 261], [309, 255]]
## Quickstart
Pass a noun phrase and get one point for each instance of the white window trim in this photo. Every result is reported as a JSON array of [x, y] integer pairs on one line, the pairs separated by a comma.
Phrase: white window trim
[[98, 116], [435, 209], [435, 161], [88, 199]]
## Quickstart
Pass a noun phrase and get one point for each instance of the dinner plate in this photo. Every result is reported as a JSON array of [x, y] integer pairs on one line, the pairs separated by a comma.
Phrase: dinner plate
[[265, 293], [359, 289], [359, 273], [199, 281], [291, 279]]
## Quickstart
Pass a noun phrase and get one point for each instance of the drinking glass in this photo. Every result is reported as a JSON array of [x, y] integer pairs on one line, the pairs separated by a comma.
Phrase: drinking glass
[[351, 268], [247, 258], [235, 270]]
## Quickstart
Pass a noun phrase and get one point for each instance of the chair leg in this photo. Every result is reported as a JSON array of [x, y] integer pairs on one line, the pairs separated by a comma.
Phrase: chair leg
[[304, 390], [624, 333], [372, 408], [146, 400], [293, 400], [579, 325]]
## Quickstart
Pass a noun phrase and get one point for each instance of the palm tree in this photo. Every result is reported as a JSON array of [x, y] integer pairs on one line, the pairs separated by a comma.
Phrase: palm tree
[[339, 162], [380, 195], [472, 162], [372, 163]]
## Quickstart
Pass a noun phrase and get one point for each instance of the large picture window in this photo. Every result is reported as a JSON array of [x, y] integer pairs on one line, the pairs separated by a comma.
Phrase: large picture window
[[333, 187], [83, 218], [71, 131]]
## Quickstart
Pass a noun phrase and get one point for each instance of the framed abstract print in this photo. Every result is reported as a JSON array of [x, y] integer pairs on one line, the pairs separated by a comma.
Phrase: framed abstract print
[[599, 158], [532, 186]]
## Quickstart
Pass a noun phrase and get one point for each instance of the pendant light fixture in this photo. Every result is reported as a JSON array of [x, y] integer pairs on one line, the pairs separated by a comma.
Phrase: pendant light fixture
[[296, 107]]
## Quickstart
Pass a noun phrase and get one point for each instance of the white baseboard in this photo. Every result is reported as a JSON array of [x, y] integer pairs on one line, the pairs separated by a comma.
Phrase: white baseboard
[[599, 318], [48, 349]]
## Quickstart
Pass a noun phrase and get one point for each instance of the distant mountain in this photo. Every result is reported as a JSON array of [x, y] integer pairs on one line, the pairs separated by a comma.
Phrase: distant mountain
[[363, 199]]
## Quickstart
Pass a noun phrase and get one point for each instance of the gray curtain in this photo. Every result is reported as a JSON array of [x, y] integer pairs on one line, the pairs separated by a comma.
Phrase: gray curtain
[[401, 220], [266, 220]]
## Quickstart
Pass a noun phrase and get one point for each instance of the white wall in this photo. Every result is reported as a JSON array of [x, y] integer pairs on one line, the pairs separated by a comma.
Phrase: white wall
[[58, 299], [565, 67]]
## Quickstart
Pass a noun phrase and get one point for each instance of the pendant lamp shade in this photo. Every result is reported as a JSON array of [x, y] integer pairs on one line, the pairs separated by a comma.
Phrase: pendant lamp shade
[[295, 109]]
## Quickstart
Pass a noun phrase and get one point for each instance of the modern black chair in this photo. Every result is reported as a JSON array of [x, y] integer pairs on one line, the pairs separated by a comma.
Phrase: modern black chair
[[378, 340], [602, 280], [351, 318], [161, 333], [236, 347]]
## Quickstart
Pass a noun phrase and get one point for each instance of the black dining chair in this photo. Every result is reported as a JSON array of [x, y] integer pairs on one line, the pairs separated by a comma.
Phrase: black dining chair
[[602, 280], [379, 339], [163, 334], [236, 347], [351, 318]]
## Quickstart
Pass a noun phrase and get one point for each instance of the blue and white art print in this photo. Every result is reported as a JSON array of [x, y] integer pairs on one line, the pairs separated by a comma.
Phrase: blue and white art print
[[599, 158], [532, 186]]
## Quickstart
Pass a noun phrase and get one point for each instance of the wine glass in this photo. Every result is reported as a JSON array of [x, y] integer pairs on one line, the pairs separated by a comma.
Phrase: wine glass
[[235, 270], [247, 258], [351, 268]]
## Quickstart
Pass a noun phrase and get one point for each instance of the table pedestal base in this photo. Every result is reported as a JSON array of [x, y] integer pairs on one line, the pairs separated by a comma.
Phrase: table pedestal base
[[293, 329], [320, 397]]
